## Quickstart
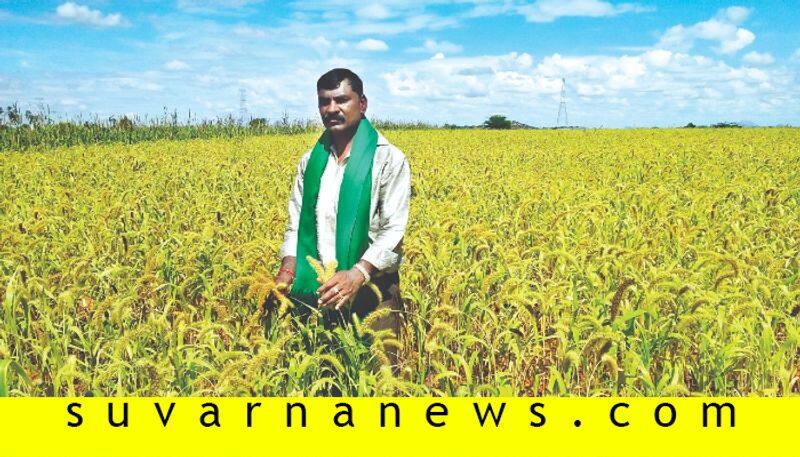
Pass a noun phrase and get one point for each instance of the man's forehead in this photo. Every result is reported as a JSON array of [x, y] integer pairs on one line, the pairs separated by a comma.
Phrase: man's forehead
[[343, 89]]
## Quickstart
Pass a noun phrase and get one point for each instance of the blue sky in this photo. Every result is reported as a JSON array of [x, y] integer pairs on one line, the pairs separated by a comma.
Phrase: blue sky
[[645, 63]]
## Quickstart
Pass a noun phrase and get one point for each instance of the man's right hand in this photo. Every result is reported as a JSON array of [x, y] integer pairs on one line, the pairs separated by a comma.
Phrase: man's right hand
[[287, 263], [285, 278], [283, 281]]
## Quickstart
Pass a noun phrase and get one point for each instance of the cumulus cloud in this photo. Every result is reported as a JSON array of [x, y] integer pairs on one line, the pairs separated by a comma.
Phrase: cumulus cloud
[[458, 77], [550, 10], [371, 44], [646, 85], [758, 58], [657, 58], [72, 12], [723, 28], [734, 14]]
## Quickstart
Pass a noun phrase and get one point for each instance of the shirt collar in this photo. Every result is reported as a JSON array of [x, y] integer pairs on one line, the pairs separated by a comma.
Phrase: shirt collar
[[332, 151], [382, 140]]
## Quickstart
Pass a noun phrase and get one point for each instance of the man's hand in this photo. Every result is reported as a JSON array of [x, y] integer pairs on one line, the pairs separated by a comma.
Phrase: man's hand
[[285, 278], [289, 263], [341, 289]]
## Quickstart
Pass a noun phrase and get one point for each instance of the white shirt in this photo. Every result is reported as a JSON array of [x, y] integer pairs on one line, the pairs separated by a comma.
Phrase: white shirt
[[390, 195]]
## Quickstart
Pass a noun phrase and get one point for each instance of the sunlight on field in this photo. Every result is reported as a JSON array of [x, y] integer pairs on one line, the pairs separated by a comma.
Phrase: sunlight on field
[[637, 262]]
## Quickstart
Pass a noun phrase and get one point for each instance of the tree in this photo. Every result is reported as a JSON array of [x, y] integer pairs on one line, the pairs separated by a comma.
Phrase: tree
[[258, 123], [124, 123], [690, 125], [12, 112], [497, 122], [726, 125]]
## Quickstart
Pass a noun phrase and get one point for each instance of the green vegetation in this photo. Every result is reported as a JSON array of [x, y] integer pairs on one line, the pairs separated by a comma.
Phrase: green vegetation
[[497, 122], [28, 130]]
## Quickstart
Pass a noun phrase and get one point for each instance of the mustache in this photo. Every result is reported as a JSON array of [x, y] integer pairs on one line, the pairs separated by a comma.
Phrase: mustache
[[334, 118]]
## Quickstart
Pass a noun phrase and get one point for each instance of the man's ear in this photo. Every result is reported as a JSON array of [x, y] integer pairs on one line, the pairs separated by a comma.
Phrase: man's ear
[[363, 104]]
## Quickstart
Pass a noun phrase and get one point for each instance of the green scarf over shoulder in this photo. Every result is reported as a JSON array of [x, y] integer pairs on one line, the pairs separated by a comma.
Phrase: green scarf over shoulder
[[352, 216]]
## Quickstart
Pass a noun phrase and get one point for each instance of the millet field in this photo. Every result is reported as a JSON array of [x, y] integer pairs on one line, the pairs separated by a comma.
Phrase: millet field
[[537, 262]]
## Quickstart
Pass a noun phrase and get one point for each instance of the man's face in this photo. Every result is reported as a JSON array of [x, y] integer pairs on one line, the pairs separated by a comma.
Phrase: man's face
[[341, 108]]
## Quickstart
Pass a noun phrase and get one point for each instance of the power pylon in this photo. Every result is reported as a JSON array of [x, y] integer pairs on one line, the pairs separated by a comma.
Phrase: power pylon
[[242, 105], [562, 107]]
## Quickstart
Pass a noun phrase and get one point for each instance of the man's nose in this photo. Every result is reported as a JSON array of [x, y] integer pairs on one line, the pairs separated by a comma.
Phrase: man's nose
[[331, 107]]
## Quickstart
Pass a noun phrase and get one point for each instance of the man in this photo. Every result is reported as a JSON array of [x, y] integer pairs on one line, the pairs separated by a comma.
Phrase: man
[[349, 202]]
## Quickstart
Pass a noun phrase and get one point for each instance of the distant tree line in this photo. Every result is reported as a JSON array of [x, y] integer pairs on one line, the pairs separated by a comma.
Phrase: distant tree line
[[718, 125], [26, 129]]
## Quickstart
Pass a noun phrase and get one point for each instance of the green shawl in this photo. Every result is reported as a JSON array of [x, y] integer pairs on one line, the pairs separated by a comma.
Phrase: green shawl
[[352, 217]]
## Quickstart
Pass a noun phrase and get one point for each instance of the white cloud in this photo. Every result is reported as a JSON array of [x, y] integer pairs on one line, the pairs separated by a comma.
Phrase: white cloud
[[456, 78], [796, 55], [371, 44], [214, 6], [409, 24], [525, 60], [734, 14], [722, 28], [657, 58], [435, 47], [550, 10], [73, 12], [142, 82], [389, 17], [320, 44], [374, 11], [69, 103], [176, 65], [758, 58], [646, 87], [392, 17]]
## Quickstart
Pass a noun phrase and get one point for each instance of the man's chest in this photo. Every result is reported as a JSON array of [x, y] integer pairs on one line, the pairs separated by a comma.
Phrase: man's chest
[[330, 185]]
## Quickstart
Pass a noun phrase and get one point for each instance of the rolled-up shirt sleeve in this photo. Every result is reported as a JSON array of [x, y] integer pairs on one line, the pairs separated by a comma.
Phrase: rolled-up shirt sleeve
[[289, 246], [394, 196]]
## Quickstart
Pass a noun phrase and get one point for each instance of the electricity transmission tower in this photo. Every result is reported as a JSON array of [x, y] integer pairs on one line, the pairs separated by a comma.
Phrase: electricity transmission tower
[[242, 105], [562, 107]]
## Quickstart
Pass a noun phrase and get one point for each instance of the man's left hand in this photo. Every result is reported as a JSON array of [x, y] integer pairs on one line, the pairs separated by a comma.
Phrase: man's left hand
[[341, 289]]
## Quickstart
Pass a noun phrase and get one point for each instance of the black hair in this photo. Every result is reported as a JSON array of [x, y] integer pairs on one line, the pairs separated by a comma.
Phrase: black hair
[[333, 78]]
